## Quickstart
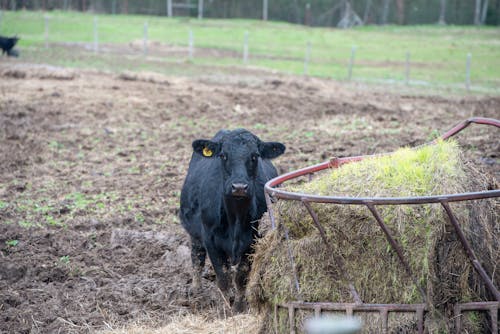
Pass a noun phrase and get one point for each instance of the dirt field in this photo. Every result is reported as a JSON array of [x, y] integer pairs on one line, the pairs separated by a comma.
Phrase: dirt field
[[91, 166]]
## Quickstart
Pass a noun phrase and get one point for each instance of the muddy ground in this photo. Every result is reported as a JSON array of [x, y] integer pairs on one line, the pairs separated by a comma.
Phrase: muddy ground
[[91, 166]]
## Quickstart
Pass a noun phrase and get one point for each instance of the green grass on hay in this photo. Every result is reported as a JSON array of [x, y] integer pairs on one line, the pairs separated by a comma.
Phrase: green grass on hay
[[430, 170]]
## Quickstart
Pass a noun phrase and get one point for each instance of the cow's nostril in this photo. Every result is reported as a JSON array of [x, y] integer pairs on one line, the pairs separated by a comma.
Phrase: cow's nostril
[[239, 188]]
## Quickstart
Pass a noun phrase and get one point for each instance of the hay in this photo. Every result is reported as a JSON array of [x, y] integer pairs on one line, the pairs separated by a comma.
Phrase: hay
[[434, 254], [197, 324]]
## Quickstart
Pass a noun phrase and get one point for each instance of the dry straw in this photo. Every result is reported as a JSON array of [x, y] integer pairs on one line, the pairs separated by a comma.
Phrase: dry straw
[[197, 324]]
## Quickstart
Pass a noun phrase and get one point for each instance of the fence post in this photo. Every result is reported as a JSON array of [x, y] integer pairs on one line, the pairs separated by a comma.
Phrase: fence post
[[307, 58], [113, 7], [245, 48], [96, 36], [46, 17], [264, 9], [145, 39], [169, 8], [200, 9], [467, 72], [191, 45], [351, 63], [307, 15], [407, 69]]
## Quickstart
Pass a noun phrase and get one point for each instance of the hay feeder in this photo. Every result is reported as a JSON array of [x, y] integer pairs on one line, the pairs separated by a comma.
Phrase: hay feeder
[[273, 194]]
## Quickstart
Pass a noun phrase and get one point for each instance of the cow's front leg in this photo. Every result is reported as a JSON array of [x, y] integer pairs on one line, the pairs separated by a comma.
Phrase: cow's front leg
[[198, 255], [240, 280], [220, 264]]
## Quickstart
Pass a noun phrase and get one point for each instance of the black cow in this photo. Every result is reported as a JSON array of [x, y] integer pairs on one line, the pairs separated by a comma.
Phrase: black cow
[[222, 201], [7, 43]]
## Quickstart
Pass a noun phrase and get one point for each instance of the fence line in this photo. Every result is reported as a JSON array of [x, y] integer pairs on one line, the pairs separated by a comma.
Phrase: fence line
[[245, 53]]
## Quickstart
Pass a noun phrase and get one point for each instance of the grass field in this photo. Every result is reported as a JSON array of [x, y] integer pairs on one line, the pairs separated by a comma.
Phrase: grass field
[[437, 53]]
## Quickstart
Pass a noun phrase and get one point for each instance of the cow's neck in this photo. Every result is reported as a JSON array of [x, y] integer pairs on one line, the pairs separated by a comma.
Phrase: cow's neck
[[239, 215], [238, 210]]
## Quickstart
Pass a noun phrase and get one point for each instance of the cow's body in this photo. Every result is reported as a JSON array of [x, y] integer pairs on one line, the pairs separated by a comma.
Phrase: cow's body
[[7, 43], [222, 201]]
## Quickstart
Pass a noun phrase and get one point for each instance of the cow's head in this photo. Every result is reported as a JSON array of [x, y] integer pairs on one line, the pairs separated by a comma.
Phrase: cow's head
[[240, 153]]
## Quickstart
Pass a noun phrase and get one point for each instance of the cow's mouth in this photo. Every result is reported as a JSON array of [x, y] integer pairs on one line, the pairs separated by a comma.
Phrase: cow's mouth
[[239, 195]]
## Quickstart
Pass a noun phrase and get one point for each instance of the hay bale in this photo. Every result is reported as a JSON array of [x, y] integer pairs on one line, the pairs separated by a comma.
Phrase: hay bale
[[434, 254]]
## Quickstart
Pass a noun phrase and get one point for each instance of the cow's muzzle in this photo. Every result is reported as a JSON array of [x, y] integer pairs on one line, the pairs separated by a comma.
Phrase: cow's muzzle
[[239, 189]]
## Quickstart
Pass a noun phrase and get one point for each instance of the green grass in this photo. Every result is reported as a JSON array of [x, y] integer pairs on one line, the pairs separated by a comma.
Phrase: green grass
[[405, 172], [438, 53]]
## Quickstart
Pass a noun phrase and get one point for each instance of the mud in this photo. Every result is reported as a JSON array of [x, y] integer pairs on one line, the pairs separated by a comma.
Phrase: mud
[[92, 164]]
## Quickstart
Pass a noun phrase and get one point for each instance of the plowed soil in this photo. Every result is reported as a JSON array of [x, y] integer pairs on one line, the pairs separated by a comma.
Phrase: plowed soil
[[91, 166]]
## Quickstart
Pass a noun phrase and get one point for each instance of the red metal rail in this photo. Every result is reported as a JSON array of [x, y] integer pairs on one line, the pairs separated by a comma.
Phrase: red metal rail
[[273, 193]]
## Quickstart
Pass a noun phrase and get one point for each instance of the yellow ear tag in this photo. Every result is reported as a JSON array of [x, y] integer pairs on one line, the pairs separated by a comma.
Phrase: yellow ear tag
[[207, 152]]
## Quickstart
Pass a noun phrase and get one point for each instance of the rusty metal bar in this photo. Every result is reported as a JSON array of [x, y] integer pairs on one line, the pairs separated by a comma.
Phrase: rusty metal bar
[[384, 315], [382, 309], [420, 320], [395, 246], [478, 120], [270, 209], [458, 321], [470, 253], [291, 318], [494, 319], [282, 194], [326, 306], [491, 307], [315, 219]]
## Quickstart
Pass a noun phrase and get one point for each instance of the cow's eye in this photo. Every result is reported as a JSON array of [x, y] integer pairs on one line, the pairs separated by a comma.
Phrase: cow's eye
[[254, 157], [223, 156]]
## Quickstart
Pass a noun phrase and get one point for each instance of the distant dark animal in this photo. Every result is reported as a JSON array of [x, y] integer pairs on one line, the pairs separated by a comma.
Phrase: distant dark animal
[[222, 201], [13, 53], [7, 43]]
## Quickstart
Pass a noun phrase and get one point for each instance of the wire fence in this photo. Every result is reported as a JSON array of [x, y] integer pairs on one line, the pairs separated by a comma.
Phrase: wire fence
[[309, 12], [305, 52]]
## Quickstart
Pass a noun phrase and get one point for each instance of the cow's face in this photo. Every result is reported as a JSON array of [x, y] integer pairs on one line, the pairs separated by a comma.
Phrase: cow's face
[[240, 153]]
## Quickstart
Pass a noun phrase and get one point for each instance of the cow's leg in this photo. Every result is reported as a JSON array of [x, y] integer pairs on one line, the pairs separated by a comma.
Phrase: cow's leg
[[221, 267], [240, 280], [198, 255]]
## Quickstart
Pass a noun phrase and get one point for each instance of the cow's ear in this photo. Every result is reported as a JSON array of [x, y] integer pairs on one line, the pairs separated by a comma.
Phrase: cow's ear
[[206, 148], [271, 149]]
